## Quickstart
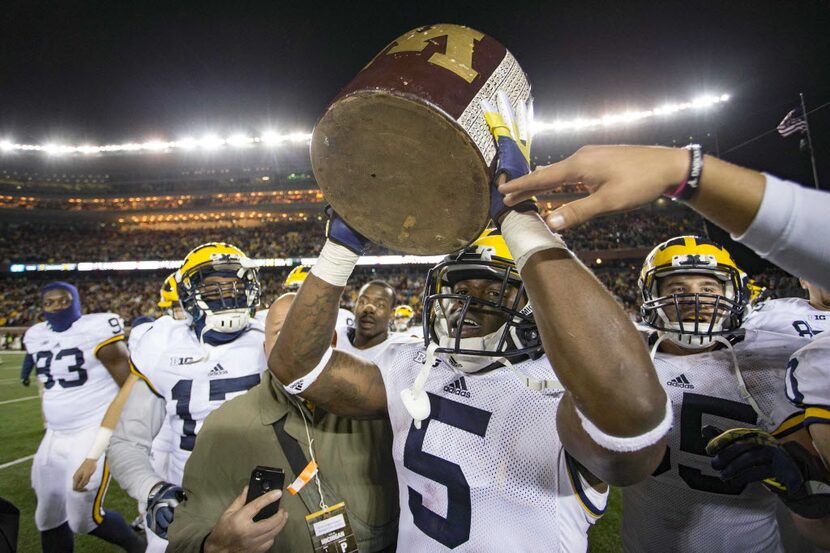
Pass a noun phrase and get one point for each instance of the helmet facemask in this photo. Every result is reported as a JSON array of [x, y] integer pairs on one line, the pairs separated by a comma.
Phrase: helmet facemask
[[692, 320], [516, 337], [227, 306]]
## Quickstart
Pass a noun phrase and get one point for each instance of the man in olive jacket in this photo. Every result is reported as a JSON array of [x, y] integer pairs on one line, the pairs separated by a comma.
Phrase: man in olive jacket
[[354, 459]]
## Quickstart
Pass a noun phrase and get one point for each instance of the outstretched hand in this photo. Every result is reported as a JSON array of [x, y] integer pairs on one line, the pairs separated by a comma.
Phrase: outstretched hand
[[619, 178]]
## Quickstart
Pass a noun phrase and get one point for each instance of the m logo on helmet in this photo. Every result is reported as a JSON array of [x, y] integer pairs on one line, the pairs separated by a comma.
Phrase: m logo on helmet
[[694, 260]]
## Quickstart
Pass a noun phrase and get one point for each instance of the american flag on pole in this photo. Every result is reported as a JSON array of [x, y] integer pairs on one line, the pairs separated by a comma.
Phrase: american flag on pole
[[792, 123]]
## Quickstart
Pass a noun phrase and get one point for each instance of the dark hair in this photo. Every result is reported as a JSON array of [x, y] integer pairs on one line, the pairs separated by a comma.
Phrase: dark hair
[[382, 284]]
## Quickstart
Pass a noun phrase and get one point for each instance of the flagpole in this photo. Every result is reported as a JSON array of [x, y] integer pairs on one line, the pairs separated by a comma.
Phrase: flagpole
[[809, 140]]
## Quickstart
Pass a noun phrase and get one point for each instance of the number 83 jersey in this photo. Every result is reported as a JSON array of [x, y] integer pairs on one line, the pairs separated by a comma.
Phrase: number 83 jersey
[[486, 470], [77, 388], [684, 505], [193, 379]]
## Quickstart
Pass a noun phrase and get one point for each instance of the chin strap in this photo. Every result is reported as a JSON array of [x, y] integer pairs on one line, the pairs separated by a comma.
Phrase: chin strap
[[414, 398], [736, 371], [553, 385]]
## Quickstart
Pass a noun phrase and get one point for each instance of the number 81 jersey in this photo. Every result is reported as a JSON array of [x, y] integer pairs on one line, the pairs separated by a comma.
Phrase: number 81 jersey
[[192, 379], [77, 388]]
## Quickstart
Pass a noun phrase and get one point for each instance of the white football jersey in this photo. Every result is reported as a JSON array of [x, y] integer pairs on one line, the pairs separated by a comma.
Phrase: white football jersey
[[415, 330], [345, 318], [77, 388], [137, 332], [808, 380], [788, 316], [193, 379], [342, 341], [684, 506], [486, 471]]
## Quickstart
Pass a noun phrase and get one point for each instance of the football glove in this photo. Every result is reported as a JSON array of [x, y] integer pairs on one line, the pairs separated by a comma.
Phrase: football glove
[[338, 231], [512, 135], [26, 381], [744, 455], [163, 499]]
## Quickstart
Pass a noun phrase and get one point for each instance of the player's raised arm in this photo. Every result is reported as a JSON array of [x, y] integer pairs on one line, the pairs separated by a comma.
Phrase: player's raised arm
[[303, 359], [614, 415]]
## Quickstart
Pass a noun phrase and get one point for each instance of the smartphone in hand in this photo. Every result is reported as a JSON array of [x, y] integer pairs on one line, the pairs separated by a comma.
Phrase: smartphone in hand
[[264, 480]]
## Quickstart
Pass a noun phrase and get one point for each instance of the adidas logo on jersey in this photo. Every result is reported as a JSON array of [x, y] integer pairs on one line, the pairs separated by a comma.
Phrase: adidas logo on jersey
[[681, 382], [458, 387], [218, 370]]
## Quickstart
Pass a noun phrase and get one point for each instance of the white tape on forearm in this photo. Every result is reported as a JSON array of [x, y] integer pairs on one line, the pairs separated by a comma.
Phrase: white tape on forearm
[[335, 264], [99, 446], [632, 443], [304, 382], [526, 233]]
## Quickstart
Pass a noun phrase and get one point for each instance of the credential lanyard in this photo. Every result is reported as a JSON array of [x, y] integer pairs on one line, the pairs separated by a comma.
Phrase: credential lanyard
[[299, 463]]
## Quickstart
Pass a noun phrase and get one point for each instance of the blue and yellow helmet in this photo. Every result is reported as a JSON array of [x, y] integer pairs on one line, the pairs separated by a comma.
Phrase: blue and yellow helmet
[[692, 319], [219, 282], [489, 258]]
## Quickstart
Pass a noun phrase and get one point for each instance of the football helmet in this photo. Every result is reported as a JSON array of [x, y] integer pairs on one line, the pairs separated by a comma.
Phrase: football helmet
[[296, 278], [401, 316], [682, 318], [226, 307], [486, 258], [169, 294]]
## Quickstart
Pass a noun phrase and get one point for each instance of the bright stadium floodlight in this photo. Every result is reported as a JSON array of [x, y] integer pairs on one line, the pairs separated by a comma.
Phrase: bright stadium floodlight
[[211, 142], [186, 143], [239, 140], [271, 138], [630, 116]]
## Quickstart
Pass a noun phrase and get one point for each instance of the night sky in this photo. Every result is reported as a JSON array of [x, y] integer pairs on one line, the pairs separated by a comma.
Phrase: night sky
[[112, 71]]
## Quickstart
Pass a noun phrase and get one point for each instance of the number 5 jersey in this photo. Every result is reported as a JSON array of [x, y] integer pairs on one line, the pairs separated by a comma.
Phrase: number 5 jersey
[[486, 471], [684, 506], [77, 388]]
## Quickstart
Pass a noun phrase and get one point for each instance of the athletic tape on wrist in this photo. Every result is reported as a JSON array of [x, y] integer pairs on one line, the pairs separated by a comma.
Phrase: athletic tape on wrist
[[304, 382], [526, 233], [99, 446], [335, 264], [632, 443]]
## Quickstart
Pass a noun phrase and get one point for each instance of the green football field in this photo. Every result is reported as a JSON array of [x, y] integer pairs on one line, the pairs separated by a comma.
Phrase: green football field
[[22, 430]]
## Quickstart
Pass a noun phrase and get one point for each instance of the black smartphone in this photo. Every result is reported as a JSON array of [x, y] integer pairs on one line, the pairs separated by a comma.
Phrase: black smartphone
[[263, 480]]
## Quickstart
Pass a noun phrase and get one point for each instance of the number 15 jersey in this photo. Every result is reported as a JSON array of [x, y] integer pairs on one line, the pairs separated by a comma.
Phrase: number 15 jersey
[[77, 388], [486, 471], [193, 379]]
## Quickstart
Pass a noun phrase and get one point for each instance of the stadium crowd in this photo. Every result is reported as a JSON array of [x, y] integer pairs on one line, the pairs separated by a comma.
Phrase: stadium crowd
[[235, 199], [37, 243]]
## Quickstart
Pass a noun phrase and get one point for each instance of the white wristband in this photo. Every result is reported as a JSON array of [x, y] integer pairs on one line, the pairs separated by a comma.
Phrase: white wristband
[[632, 443], [304, 382], [525, 234], [99, 446], [335, 264]]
